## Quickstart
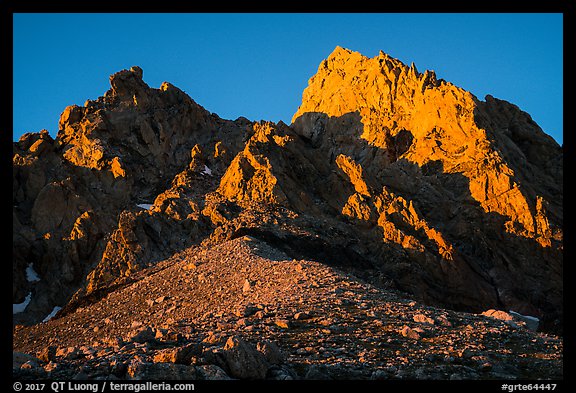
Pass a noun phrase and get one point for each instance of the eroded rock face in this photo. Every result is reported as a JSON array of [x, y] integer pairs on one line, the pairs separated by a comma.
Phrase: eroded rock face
[[402, 177]]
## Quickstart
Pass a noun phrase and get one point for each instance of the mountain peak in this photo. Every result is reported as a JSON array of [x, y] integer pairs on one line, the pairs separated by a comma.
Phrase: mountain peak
[[340, 51], [348, 81], [127, 83]]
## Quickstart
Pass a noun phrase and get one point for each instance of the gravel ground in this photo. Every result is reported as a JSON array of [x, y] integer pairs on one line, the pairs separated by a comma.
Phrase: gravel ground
[[244, 310]]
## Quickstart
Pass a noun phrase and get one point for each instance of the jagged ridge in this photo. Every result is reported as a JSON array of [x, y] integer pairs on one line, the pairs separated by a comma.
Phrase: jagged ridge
[[455, 200]]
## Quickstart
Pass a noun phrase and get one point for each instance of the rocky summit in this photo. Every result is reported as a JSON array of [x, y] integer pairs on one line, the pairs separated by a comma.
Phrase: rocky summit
[[398, 228]]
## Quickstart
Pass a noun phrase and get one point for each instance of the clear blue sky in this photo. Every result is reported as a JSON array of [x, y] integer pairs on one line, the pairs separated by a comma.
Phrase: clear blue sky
[[257, 65]]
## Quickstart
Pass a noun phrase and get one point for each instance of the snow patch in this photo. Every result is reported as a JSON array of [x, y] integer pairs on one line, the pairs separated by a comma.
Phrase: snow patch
[[31, 275], [532, 323], [146, 206], [20, 307], [52, 314], [207, 171], [524, 316]]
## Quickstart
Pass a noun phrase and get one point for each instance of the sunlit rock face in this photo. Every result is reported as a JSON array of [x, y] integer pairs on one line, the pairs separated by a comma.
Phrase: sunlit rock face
[[402, 177], [476, 184]]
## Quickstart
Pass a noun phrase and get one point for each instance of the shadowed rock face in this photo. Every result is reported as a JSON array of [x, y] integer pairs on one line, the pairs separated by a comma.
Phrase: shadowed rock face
[[406, 179], [75, 197]]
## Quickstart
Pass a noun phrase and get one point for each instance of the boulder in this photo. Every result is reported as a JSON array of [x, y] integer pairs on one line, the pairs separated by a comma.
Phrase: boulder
[[180, 355], [243, 360], [138, 370], [141, 335]]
